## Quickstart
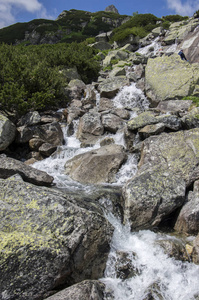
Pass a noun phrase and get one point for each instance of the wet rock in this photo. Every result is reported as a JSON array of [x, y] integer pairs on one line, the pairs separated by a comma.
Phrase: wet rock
[[52, 240], [195, 253], [102, 163], [10, 166], [175, 248], [191, 119]]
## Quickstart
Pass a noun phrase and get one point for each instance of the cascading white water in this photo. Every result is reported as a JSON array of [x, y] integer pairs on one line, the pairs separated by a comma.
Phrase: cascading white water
[[129, 97], [154, 271]]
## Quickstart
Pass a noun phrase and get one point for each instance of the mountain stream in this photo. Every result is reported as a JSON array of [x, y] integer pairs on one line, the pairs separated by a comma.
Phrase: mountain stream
[[154, 274]]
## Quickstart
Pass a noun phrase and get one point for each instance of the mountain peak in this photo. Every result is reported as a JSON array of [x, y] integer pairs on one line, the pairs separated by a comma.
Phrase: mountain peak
[[111, 8]]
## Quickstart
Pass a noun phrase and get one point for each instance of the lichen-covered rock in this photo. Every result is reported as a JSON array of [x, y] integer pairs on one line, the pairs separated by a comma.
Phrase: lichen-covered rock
[[102, 163], [48, 239], [169, 77], [7, 132], [191, 119], [150, 118], [87, 289], [151, 196], [178, 107], [168, 164], [10, 166]]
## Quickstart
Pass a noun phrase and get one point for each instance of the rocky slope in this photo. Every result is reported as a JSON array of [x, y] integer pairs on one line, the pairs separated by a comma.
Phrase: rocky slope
[[53, 239]]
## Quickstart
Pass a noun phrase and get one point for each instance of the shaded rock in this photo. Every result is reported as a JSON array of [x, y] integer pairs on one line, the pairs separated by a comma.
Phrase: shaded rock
[[191, 119], [70, 74], [85, 290], [188, 219], [109, 87], [90, 95], [7, 132], [107, 141], [50, 133], [111, 122], [52, 240], [162, 72], [31, 118], [47, 149], [102, 163], [10, 166], [149, 130], [101, 45], [35, 143]]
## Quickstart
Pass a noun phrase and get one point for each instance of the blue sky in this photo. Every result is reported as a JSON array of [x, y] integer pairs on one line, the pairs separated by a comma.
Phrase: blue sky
[[13, 11]]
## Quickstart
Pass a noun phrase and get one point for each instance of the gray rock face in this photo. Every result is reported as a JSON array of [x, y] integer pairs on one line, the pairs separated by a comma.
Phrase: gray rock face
[[162, 72], [102, 163], [7, 132], [168, 164], [112, 8], [88, 289], [10, 166], [48, 239], [109, 87]]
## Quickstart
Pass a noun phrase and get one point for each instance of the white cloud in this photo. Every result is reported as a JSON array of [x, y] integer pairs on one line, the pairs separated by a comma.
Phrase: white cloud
[[10, 8], [187, 8]]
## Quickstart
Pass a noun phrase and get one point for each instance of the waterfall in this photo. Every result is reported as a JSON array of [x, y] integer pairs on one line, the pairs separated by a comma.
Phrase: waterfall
[[152, 273]]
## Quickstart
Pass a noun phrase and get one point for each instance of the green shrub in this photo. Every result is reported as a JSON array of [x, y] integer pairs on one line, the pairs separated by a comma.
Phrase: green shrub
[[139, 25], [30, 77], [193, 98], [174, 18]]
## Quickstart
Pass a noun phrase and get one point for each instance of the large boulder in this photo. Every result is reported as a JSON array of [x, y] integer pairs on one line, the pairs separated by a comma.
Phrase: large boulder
[[48, 239], [10, 166], [7, 132], [168, 164], [169, 77], [96, 166]]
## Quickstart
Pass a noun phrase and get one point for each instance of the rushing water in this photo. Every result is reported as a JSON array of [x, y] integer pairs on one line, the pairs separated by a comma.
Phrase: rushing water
[[154, 274]]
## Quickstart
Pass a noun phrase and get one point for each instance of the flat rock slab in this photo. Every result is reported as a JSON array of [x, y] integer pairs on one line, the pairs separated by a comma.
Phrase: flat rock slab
[[10, 167]]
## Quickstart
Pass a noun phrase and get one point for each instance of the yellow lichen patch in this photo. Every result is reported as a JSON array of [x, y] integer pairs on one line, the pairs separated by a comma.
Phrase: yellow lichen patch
[[33, 205]]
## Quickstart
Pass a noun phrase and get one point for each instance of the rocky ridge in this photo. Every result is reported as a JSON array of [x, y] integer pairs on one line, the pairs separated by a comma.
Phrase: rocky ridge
[[61, 239]]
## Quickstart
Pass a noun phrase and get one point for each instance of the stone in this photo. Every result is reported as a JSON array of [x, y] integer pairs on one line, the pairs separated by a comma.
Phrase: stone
[[90, 123], [102, 163], [111, 122], [162, 72], [7, 132], [48, 239], [87, 289], [188, 219], [10, 166], [110, 87]]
